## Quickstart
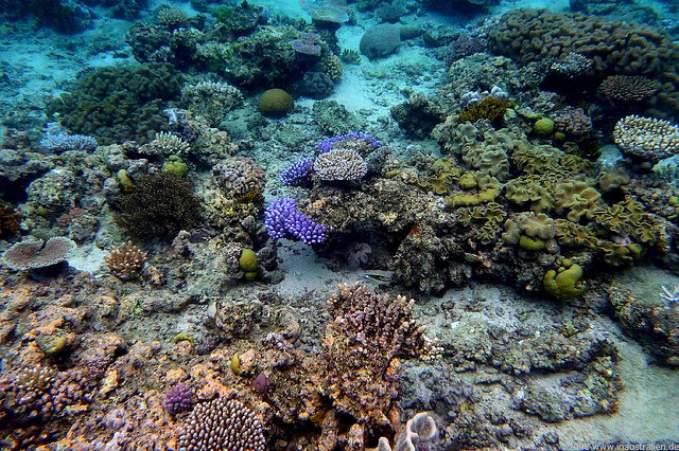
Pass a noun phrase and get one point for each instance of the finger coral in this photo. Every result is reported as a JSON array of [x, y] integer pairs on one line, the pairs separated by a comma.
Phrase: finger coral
[[126, 262], [222, 424], [284, 220]]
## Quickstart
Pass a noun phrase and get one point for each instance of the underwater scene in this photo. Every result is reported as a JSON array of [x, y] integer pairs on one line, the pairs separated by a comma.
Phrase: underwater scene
[[326, 225]]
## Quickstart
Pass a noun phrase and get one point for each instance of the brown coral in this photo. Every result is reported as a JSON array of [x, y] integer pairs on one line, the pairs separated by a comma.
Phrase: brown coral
[[222, 424], [9, 220], [127, 261], [628, 88]]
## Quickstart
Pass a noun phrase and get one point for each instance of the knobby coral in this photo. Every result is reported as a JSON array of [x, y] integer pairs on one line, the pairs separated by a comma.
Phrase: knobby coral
[[284, 220], [222, 424]]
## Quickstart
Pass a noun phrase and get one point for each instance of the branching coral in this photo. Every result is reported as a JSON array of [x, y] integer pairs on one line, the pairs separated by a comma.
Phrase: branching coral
[[284, 220], [127, 261], [367, 332], [9, 220], [340, 165], [159, 206], [622, 89]]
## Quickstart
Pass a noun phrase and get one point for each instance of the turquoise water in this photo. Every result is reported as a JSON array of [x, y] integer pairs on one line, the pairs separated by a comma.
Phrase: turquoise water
[[331, 225]]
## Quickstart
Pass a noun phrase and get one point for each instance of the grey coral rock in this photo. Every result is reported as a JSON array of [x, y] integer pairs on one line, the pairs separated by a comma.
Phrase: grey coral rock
[[380, 41]]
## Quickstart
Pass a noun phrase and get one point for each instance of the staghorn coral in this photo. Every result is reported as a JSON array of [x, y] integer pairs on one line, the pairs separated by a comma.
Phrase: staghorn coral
[[32, 254], [646, 139], [240, 178], [340, 165], [222, 424], [625, 89], [171, 18], [58, 140], [126, 261]]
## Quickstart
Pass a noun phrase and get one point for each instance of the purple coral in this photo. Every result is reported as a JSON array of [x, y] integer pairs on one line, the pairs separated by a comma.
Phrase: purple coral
[[298, 173], [283, 220], [37, 254], [179, 398], [348, 140], [308, 44]]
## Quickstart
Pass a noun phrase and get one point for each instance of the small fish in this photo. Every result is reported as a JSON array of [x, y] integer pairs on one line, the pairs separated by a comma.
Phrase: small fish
[[384, 276]]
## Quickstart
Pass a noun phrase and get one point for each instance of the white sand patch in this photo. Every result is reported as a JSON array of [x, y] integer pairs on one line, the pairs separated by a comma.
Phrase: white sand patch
[[304, 272]]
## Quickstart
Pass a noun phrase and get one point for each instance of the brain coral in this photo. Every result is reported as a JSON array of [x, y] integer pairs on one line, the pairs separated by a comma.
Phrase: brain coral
[[222, 424]]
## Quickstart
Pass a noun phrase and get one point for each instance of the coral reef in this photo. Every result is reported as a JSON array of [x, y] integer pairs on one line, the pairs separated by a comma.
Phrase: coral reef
[[340, 165], [380, 41], [275, 103]]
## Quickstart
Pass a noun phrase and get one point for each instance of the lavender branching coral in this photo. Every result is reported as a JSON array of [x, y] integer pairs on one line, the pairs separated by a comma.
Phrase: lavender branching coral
[[222, 424], [298, 173], [283, 220], [361, 142]]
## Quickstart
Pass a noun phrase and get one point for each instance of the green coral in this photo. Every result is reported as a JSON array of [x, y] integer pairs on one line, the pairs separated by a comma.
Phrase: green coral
[[533, 232], [577, 199], [543, 127], [118, 104], [275, 103], [175, 166], [483, 221], [565, 281], [248, 263], [490, 108]]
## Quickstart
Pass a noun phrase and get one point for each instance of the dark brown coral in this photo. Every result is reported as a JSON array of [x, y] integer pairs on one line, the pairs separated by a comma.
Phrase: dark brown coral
[[625, 89]]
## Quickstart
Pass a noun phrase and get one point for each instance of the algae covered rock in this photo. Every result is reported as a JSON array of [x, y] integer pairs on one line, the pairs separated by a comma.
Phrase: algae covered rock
[[380, 41]]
